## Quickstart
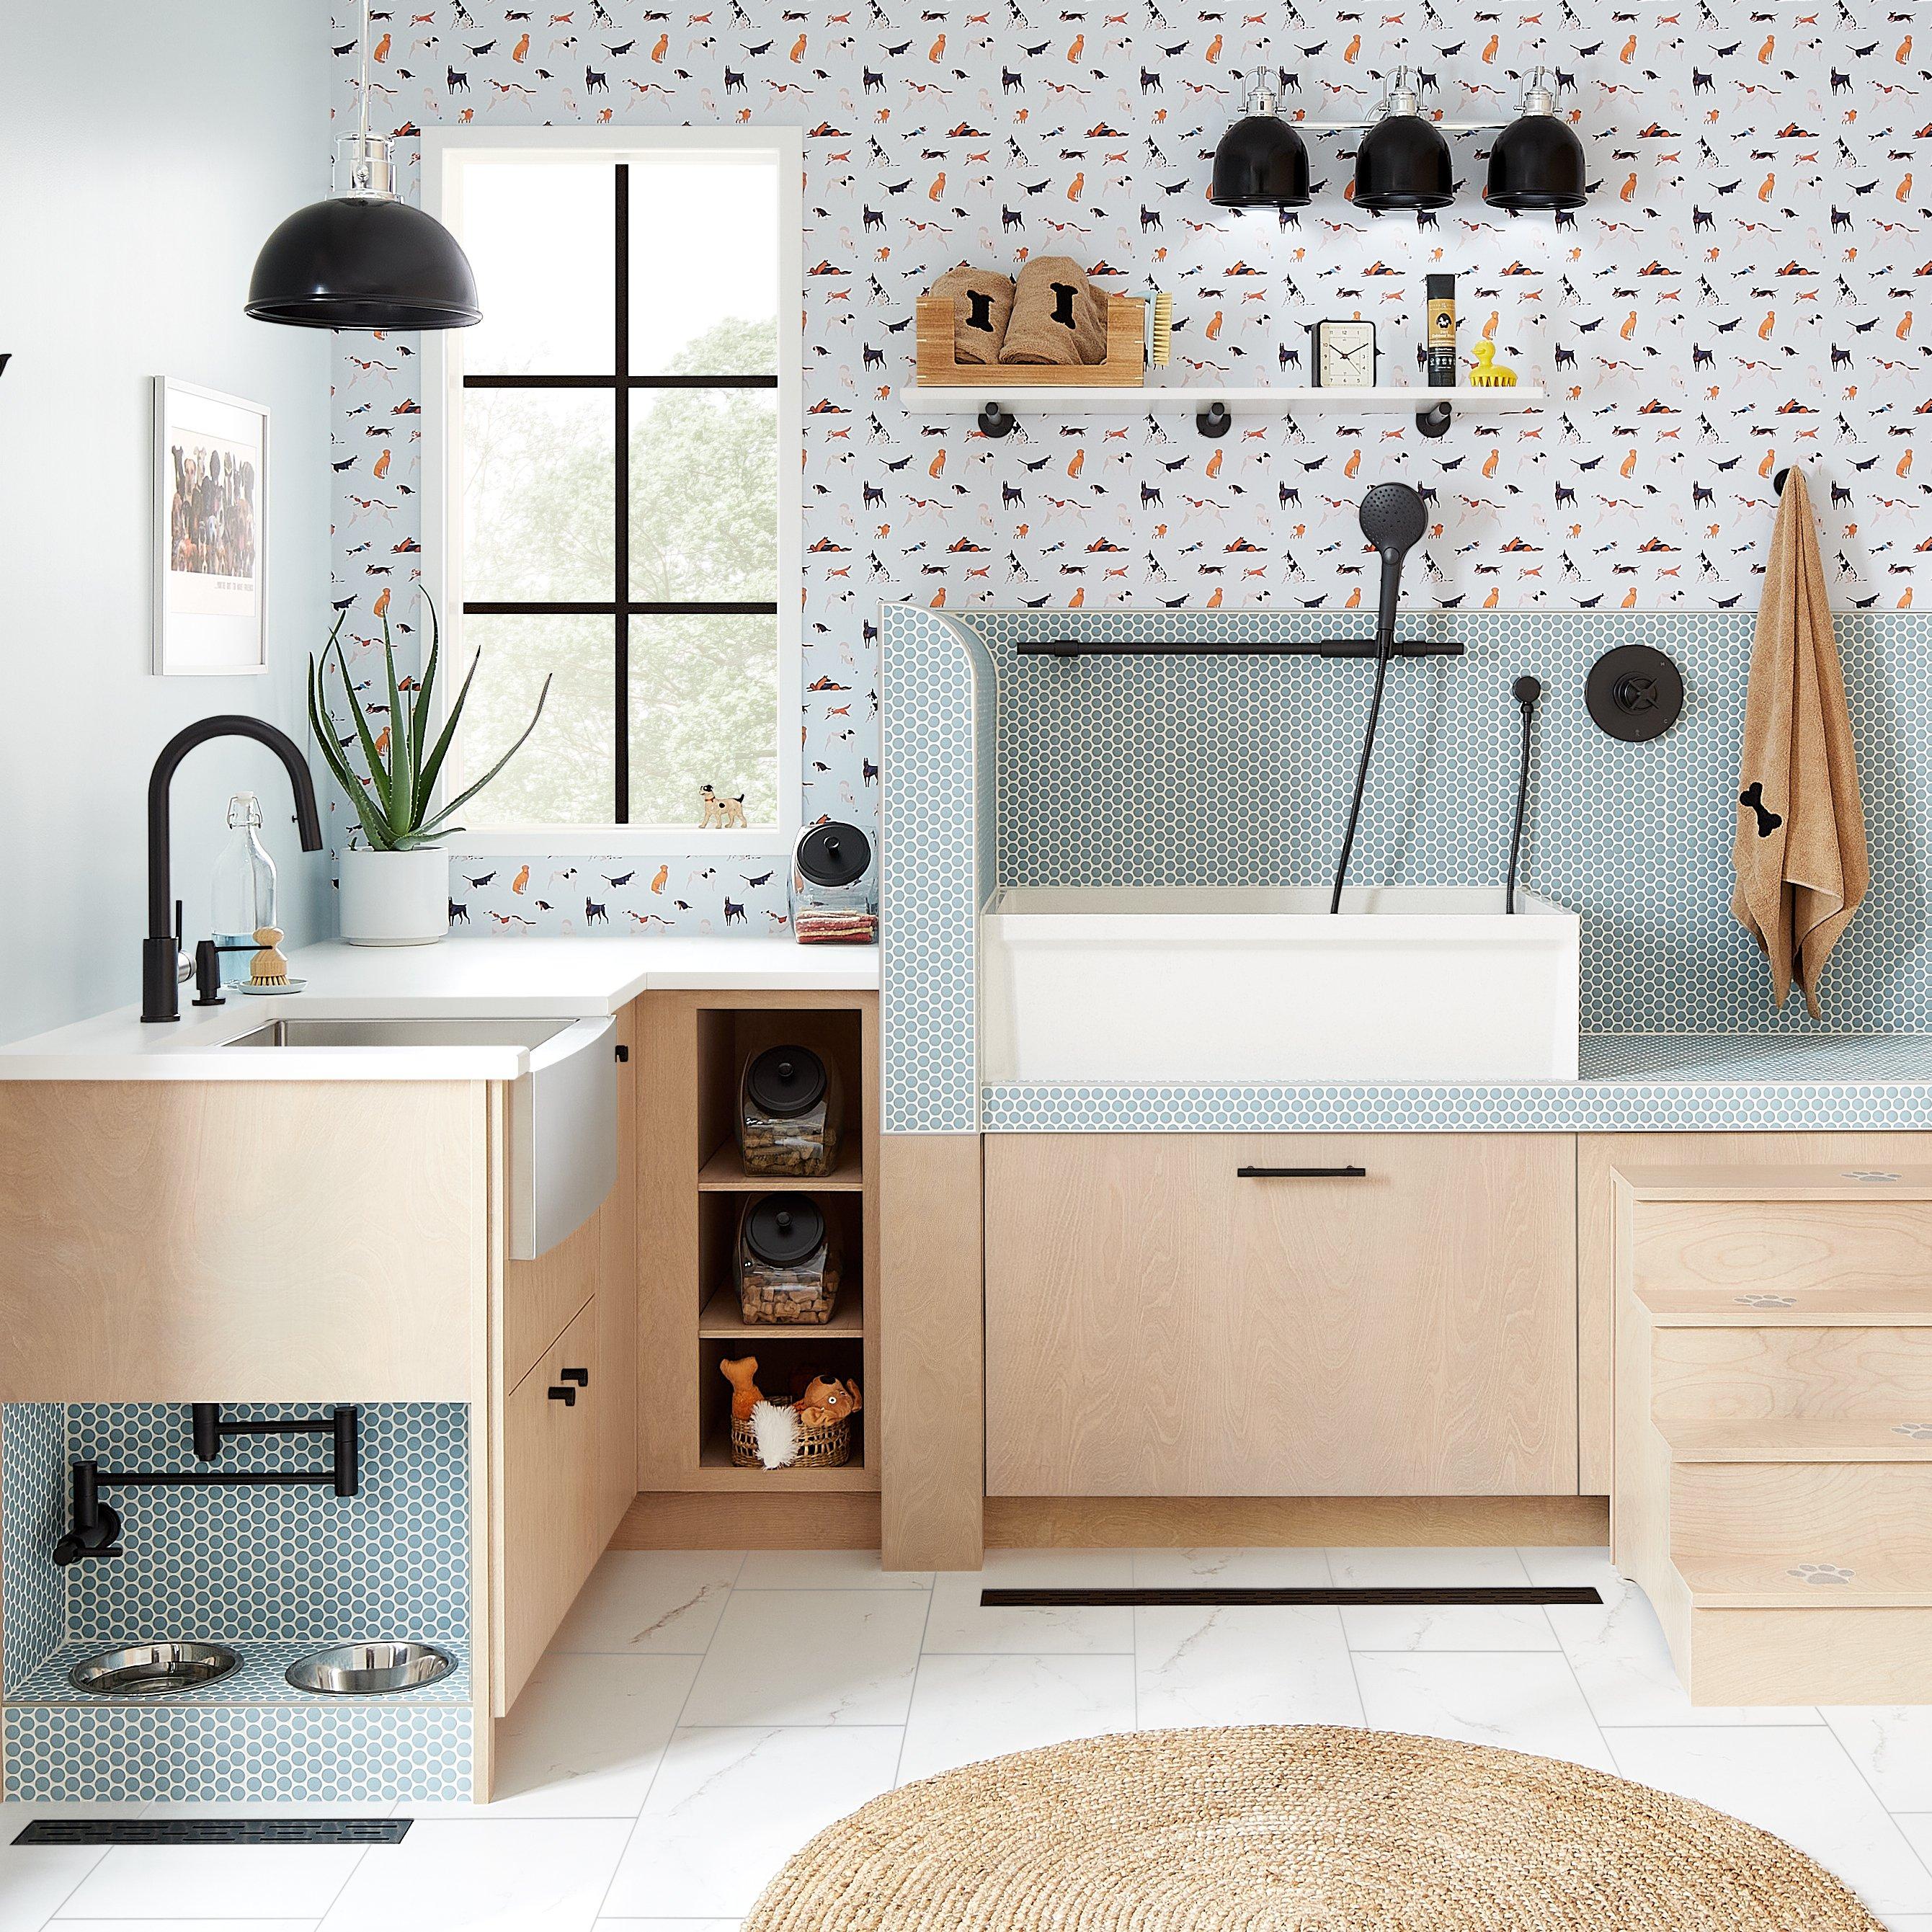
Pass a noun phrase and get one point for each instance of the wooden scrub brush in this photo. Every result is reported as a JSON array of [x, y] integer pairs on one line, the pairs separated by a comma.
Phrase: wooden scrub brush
[[268, 967], [1489, 374], [1160, 329]]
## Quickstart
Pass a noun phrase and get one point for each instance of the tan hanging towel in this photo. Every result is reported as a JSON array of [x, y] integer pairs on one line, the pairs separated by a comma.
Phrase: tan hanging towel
[[1800, 851], [981, 300], [1056, 316]]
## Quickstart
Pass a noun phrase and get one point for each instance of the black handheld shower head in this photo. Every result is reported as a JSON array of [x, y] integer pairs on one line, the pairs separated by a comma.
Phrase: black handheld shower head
[[1393, 518]]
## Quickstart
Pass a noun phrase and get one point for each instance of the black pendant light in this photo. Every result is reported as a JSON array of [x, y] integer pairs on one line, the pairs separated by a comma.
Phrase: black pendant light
[[1260, 162], [1403, 161], [1538, 161], [364, 260]]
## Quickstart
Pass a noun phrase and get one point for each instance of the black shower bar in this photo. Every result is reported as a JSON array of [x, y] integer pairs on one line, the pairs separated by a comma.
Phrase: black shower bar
[[1233, 647]]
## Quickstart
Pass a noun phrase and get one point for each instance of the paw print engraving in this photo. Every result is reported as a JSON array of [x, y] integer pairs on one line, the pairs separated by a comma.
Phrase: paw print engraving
[[1919, 1431], [1872, 1174], [1826, 1575], [1767, 1301]]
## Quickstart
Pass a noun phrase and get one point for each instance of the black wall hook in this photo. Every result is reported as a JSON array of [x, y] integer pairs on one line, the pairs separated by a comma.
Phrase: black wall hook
[[994, 421], [1778, 481], [1213, 420]]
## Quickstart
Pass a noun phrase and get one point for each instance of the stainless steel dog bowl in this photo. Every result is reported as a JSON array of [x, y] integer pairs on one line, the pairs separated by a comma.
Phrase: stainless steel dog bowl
[[150, 1669], [366, 1669]]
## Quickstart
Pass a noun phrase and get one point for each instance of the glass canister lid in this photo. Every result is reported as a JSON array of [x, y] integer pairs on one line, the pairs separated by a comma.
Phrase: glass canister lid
[[785, 1080], [833, 854], [782, 1230]]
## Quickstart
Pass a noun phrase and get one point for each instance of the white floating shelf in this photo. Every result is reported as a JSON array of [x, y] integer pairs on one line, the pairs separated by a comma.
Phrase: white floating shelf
[[968, 401]]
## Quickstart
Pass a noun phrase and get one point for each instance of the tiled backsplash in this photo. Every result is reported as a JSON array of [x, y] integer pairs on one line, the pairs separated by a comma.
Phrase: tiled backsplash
[[1237, 771]]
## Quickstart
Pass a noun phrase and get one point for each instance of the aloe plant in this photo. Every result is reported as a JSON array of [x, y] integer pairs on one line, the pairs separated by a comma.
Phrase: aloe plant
[[394, 802]]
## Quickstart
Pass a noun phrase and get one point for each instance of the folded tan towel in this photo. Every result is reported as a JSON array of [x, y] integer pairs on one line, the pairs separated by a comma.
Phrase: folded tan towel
[[982, 299], [1800, 852], [1057, 316]]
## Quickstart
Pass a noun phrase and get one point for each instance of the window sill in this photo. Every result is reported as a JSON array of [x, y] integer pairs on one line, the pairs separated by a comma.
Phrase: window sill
[[656, 841]]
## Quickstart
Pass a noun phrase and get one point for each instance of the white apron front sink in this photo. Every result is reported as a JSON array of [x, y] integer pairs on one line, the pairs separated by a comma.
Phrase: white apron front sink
[[1247, 983]]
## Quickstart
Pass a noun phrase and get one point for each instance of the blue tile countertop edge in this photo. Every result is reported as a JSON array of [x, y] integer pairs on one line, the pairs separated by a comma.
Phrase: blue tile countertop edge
[[1630, 1083]]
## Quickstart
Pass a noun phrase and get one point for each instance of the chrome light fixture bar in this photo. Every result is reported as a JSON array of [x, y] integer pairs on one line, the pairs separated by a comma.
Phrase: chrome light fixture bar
[[364, 258]]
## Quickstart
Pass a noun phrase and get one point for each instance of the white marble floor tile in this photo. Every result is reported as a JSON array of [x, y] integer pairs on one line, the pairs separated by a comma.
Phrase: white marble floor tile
[[585, 1736], [1893, 1747], [1618, 1650], [1522, 1700], [214, 1882], [1242, 1666], [959, 1625], [490, 1875], [730, 1806], [174, 1924], [1918, 1829], [968, 1708], [650, 1601], [37, 1881], [1445, 1627], [826, 1570], [1230, 1569], [810, 1657], [1796, 1783]]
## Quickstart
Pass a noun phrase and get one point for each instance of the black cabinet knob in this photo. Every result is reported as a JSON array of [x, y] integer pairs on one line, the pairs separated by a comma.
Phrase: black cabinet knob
[[564, 1394], [581, 1377]]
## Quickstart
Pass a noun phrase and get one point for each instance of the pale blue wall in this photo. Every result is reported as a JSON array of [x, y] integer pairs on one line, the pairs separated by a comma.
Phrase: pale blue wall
[[150, 149]]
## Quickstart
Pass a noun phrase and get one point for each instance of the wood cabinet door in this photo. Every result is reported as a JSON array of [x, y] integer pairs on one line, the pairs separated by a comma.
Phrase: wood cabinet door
[[553, 1520], [1159, 1323]]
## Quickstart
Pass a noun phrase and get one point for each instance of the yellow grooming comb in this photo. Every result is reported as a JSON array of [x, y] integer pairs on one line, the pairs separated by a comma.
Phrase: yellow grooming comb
[[1489, 374], [1160, 329]]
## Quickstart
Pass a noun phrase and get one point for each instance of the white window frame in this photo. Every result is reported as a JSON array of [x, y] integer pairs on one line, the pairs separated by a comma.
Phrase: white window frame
[[445, 153]]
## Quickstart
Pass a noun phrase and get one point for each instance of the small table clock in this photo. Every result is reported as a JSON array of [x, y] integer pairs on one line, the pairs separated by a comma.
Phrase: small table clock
[[1343, 355]]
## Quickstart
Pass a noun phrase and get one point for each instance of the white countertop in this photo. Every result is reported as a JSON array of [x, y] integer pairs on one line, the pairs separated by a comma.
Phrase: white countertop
[[460, 978]]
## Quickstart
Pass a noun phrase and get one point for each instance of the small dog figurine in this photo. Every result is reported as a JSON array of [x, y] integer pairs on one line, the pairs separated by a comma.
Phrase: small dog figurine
[[713, 820]]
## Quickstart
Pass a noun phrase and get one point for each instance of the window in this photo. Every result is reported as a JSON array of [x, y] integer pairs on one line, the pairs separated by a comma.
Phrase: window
[[618, 491]]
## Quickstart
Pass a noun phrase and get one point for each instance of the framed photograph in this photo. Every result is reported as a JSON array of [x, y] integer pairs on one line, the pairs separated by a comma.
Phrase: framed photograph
[[211, 532]]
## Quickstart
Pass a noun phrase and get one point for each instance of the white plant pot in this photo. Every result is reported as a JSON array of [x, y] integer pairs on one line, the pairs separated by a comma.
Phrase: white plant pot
[[395, 899]]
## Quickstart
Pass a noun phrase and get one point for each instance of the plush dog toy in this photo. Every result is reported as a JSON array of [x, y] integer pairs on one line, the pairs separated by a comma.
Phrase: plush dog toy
[[742, 1375], [827, 1401]]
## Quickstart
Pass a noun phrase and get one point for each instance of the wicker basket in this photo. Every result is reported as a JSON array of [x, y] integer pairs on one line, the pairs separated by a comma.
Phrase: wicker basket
[[821, 1445]]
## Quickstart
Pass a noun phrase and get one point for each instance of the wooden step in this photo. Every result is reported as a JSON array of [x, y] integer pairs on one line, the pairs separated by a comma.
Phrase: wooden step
[[1769, 1526], [1852, 1306], [1802, 1439], [1781, 1246], [1743, 1374], [1833, 1652]]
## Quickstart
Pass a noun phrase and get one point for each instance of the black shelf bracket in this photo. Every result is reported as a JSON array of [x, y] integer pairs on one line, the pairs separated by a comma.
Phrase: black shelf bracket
[[994, 421], [1434, 421], [97, 1527], [1231, 647]]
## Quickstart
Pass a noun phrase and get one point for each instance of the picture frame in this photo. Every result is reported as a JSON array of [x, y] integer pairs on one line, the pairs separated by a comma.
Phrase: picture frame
[[210, 544]]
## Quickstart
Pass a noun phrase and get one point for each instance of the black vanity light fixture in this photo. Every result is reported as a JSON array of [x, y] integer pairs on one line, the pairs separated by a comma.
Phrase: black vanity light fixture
[[364, 258], [1403, 161], [1260, 162], [1538, 161]]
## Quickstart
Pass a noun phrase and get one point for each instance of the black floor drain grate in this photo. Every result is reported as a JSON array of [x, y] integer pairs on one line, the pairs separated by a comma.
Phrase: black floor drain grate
[[1212, 1596], [215, 1831]]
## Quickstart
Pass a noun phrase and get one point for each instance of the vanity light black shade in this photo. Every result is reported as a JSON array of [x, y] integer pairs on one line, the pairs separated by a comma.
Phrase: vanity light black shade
[[1261, 163], [1537, 162], [364, 262], [1403, 162]]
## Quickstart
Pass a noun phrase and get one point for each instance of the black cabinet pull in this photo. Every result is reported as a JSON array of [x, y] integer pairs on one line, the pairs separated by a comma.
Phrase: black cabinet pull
[[623, 1056], [1302, 1173], [564, 1394], [581, 1377]]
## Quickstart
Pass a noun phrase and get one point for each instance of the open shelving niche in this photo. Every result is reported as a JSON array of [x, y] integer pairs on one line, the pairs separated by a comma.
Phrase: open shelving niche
[[694, 1185]]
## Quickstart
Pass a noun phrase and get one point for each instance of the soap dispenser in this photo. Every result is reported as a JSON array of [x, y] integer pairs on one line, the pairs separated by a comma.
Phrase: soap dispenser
[[245, 887]]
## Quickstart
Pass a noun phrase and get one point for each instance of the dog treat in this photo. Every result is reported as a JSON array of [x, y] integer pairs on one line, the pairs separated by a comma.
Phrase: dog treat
[[852, 927], [789, 1114], [788, 1260], [982, 300], [1057, 316], [779, 1294]]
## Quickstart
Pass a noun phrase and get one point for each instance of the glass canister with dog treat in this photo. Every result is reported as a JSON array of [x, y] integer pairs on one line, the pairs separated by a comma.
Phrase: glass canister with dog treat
[[790, 1111], [788, 1261], [835, 890]]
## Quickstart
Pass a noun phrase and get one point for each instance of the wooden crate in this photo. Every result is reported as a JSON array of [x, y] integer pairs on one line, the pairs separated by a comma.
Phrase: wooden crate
[[1125, 367]]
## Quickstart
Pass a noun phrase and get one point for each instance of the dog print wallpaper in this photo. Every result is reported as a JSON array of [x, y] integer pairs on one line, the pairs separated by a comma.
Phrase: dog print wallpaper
[[1748, 286]]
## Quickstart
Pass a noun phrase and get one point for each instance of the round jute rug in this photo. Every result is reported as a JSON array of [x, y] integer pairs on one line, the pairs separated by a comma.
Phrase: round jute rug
[[1298, 1828]]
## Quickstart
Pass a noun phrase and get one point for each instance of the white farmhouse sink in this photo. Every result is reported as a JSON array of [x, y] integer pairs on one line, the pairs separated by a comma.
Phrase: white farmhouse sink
[[1240, 983]]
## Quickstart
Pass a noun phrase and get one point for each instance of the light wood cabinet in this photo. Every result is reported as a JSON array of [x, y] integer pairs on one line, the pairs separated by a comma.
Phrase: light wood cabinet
[[1160, 1323], [553, 1524]]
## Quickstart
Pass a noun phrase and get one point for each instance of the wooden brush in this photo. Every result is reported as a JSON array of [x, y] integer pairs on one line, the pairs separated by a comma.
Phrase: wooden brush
[[1160, 329], [268, 967]]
